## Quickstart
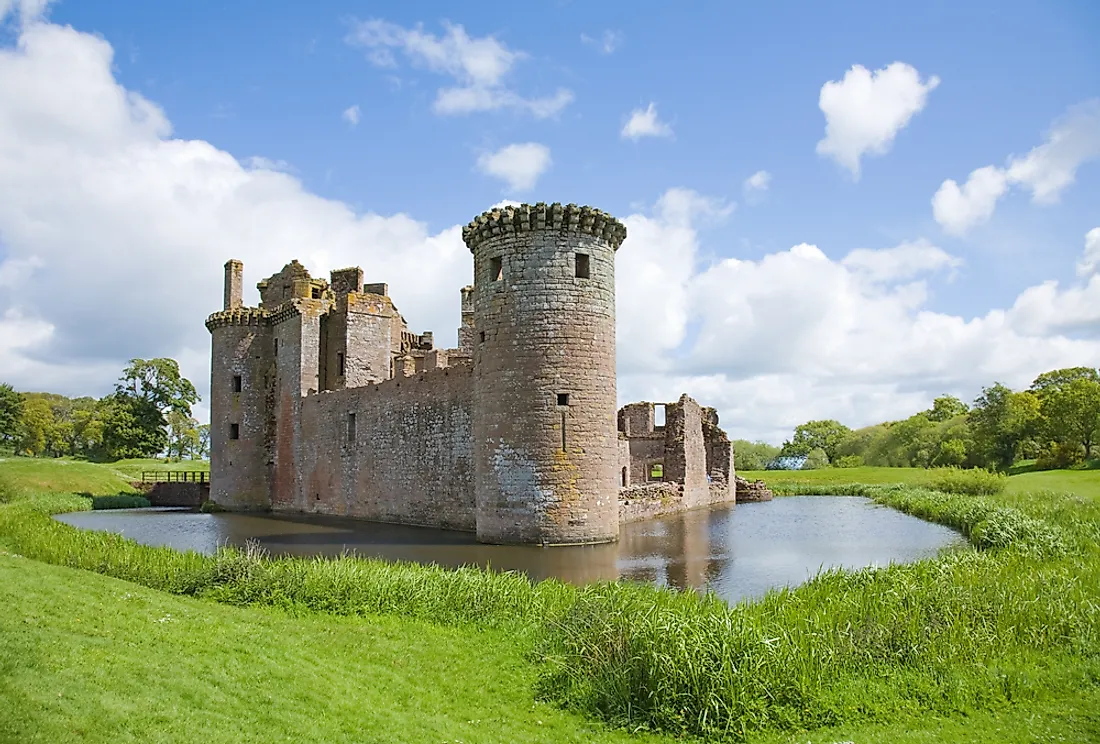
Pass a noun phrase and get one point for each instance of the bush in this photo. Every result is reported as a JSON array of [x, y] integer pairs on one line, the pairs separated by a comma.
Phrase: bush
[[972, 482], [816, 460], [209, 507], [1060, 456], [119, 502], [849, 461]]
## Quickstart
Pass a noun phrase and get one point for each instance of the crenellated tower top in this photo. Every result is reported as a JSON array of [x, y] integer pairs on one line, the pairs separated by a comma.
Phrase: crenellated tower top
[[542, 216]]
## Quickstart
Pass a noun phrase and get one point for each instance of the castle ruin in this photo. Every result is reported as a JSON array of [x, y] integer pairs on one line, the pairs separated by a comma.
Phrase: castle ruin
[[323, 401]]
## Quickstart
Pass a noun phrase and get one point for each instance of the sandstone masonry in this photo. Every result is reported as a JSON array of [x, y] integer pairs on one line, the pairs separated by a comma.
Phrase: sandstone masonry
[[323, 401]]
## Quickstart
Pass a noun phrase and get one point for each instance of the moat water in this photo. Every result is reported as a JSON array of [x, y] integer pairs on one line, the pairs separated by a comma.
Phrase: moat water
[[737, 551]]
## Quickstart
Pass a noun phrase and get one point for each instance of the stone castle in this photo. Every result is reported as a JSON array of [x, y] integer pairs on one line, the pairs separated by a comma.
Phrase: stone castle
[[323, 401]]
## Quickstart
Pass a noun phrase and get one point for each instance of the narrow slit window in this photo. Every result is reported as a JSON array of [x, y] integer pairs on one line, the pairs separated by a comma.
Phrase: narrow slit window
[[351, 427], [236, 383], [234, 431], [563, 431], [624, 477], [276, 347], [482, 335], [582, 266], [340, 363], [496, 269]]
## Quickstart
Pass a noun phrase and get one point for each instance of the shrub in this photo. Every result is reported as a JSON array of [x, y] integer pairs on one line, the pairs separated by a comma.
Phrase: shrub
[[119, 502], [849, 461], [816, 460], [972, 482], [209, 507]]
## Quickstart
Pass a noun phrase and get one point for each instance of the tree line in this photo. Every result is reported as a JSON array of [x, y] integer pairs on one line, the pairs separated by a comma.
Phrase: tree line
[[147, 415], [1056, 422]]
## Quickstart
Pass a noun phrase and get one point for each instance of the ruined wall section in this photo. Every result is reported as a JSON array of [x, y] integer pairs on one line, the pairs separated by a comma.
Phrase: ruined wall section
[[405, 458], [241, 407], [685, 451], [719, 452], [545, 440]]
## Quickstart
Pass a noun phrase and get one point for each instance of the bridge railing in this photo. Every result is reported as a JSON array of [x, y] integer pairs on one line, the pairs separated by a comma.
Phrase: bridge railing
[[175, 476]]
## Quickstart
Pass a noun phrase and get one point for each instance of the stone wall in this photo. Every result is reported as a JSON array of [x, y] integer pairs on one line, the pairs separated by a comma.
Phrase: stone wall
[[178, 494], [406, 458], [685, 452], [545, 442]]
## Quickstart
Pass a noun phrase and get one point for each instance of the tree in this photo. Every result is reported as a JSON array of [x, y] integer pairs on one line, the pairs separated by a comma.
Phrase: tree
[[134, 420], [825, 435], [946, 407], [753, 455], [1001, 421], [11, 416], [202, 451], [183, 435], [1069, 400], [37, 426], [159, 383], [815, 460]]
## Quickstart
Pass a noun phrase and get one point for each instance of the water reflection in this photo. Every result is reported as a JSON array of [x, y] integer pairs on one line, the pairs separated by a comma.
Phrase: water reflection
[[736, 551]]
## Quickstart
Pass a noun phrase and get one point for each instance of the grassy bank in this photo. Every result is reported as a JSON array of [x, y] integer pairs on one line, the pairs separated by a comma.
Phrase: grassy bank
[[1005, 634]]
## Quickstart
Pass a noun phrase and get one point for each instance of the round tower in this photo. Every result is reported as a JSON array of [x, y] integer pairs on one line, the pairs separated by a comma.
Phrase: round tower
[[544, 411], [240, 374]]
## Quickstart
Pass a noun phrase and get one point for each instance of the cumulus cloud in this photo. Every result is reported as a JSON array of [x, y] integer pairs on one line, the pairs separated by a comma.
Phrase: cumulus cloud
[[518, 165], [479, 66], [351, 115], [114, 235], [1090, 260], [1045, 171], [757, 182], [607, 43], [645, 123], [865, 110]]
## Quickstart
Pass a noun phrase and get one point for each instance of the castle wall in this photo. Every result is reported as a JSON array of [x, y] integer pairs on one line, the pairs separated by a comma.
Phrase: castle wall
[[719, 458], [407, 460], [297, 330], [685, 451]]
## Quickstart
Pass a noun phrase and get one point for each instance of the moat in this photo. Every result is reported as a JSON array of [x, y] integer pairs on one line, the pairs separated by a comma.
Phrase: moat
[[737, 551]]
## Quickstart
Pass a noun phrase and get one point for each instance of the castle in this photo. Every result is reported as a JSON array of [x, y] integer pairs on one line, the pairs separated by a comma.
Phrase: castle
[[323, 401]]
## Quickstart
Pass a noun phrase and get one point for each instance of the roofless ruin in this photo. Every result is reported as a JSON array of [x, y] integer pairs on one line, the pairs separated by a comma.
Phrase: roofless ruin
[[323, 401]]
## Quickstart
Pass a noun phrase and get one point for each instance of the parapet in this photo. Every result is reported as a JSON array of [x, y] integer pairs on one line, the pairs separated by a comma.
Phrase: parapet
[[542, 216], [238, 316]]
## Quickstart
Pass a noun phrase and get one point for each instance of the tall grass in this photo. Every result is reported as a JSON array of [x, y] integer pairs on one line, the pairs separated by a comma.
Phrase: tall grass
[[972, 630]]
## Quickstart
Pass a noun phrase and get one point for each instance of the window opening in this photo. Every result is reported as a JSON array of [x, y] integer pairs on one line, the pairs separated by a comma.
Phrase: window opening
[[563, 399], [656, 471], [276, 347], [483, 335], [340, 363], [659, 414], [236, 383], [234, 431], [582, 266], [563, 431], [624, 477], [496, 269], [351, 427], [316, 293]]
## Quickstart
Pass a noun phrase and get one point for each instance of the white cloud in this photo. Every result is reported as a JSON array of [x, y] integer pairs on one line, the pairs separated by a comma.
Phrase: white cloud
[[645, 123], [865, 110], [757, 182], [1046, 171], [23, 11], [608, 42], [351, 115], [115, 233], [480, 66], [518, 165], [1090, 260]]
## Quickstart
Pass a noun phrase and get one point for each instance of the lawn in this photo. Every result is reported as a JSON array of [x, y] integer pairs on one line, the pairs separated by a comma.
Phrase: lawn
[[994, 645]]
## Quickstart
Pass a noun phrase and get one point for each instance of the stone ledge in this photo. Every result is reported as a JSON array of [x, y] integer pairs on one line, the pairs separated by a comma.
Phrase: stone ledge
[[542, 216]]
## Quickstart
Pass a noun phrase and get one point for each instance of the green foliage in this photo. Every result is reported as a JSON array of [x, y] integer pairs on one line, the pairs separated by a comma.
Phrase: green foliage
[[849, 461], [974, 481], [133, 428], [1069, 400], [815, 460], [183, 435], [122, 501], [11, 416], [1001, 421], [946, 407], [753, 455], [825, 435], [158, 382]]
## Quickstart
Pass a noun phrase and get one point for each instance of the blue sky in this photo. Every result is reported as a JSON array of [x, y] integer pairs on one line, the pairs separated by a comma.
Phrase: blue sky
[[738, 90]]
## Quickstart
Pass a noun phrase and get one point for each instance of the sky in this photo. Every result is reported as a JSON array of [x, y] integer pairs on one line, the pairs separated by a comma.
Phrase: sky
[[832, 212]]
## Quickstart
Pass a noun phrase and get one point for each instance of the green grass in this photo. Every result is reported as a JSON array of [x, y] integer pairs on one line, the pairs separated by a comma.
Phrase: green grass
[[996, 644]]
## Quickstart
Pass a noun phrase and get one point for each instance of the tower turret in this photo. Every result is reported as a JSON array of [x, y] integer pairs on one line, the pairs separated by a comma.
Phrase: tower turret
[[544, 412]]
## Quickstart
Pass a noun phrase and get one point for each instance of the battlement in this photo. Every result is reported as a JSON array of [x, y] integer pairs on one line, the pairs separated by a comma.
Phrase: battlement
[[238, 316], [542, 216]]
